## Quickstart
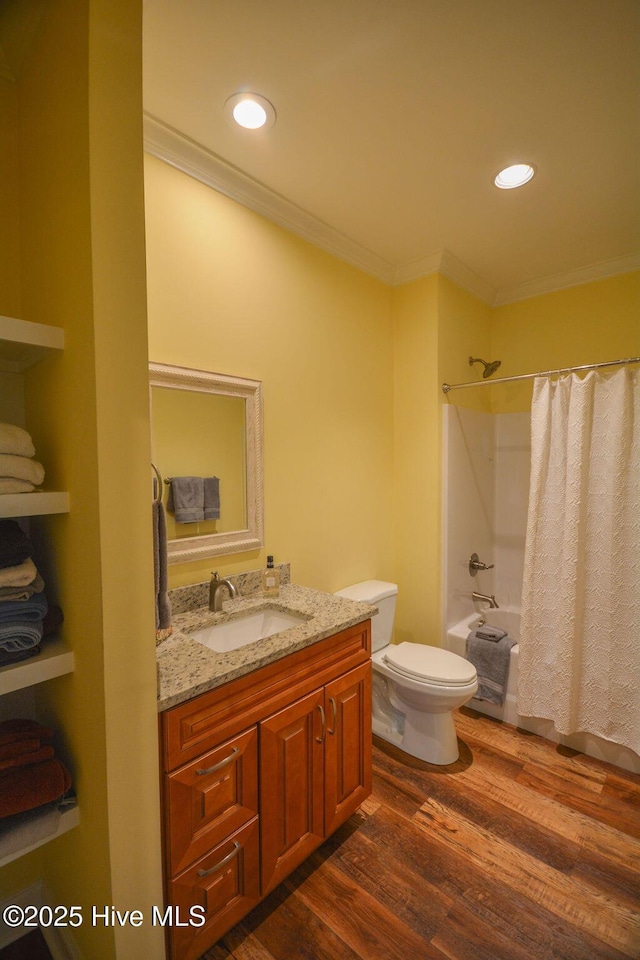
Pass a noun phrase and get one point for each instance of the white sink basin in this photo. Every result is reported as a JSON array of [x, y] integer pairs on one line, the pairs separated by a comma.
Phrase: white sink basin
[[239, 633]]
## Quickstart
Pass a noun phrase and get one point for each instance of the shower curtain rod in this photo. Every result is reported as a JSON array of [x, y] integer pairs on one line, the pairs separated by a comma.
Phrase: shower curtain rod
[[543, 373]]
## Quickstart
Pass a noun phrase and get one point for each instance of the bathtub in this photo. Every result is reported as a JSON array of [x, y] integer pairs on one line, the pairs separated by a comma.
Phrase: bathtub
[[509, 620], [456, 638]]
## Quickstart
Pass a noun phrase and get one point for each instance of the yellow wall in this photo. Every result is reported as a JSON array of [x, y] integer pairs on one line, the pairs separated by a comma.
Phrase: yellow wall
[[589, 323], [416, 489], [437, 326], [10, 234], [231, 292], [464, 324]]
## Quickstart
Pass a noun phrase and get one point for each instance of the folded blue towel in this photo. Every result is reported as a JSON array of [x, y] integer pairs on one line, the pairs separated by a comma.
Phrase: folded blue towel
[[18, 636], [487, 632], [491, 660], [30, 610]]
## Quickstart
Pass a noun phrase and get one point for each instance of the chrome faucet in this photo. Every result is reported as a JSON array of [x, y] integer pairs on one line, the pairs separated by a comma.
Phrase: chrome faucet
[[493, 603], [215, 597]]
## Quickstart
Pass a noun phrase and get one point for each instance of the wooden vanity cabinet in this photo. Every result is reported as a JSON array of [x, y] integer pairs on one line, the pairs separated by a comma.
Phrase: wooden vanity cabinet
[[315, 770], [257, 773]]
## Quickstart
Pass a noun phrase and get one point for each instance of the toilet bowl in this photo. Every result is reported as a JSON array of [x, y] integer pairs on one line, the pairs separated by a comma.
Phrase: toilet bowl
[[416, 687]]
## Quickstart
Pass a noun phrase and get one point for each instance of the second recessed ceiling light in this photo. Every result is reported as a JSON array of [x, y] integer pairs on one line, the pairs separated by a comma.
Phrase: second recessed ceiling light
[[250, 111], [514, 176]]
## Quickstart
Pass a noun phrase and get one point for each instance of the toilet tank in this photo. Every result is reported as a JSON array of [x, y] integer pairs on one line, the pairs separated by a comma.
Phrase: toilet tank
[[382, 595]]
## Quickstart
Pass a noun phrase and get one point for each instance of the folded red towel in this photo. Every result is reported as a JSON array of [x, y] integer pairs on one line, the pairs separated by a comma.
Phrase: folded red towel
[[17, 747], [24, 759], [13, 730], [23, 788]]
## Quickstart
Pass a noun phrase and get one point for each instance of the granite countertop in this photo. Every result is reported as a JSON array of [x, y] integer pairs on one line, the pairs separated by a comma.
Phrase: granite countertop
[[187, 668]]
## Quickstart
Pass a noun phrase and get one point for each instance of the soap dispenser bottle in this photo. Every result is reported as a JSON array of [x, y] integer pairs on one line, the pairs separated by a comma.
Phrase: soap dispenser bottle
[[270, 580]]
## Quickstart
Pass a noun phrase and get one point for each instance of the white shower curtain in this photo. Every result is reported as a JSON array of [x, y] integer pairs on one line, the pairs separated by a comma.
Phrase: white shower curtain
[[580, 636]]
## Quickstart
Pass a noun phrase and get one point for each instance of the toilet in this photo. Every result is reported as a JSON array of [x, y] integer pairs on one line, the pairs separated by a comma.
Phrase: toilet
[[416, 687]]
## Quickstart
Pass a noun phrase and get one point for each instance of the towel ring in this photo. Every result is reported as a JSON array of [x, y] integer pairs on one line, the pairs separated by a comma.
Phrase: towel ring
[[157, 499]]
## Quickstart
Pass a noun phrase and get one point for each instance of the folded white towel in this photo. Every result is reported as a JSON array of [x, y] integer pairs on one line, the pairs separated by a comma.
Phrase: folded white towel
[[21, 468], [18, 576], [9, 485], [14, 439]]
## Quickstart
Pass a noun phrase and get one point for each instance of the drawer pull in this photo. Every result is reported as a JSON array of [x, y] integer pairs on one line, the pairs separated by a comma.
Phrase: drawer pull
[[334, 710], [320, 739], [221, 863], [220, 765]]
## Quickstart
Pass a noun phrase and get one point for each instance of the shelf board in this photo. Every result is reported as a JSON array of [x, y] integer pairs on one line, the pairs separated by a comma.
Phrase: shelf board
[[34, 504], [54, 661], [23, 343], [36, 830]]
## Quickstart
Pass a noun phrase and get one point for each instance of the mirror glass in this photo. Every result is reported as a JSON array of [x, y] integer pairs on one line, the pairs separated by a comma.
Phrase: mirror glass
[[206, 432]]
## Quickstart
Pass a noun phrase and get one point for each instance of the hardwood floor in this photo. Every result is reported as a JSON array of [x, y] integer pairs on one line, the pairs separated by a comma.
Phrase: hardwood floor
[[521, 850]]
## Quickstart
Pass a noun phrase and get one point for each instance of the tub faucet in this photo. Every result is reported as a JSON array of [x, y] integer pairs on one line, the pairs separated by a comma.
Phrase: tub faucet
[[215, 597], [493, 603]]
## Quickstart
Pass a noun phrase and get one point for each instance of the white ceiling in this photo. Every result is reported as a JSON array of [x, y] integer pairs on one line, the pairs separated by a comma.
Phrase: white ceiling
[[393, 116]]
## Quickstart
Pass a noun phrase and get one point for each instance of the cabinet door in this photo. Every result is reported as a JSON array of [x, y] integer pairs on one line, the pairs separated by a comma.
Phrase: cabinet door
[[210, 797], [347, 745], [291, 786], [212, 895]]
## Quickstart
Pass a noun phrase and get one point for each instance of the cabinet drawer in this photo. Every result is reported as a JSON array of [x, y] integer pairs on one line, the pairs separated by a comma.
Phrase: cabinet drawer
[[209, 798], [223, 886]]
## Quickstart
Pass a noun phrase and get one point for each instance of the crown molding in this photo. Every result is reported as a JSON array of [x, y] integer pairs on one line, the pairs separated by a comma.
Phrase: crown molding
[[167, 144], [444, 262], [457, 271], [561, 281], [179, 151]]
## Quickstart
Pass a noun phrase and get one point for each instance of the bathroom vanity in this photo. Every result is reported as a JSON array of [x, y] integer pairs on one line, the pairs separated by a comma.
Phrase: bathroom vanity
[[266, 759]]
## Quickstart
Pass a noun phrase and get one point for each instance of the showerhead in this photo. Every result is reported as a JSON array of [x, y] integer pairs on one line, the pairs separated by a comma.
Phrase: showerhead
[[489, 368]]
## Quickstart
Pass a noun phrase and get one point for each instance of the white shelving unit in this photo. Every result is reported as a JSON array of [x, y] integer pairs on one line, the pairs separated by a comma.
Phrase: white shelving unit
[[23, 344], [36, 504], [55, 660], [37, 830]]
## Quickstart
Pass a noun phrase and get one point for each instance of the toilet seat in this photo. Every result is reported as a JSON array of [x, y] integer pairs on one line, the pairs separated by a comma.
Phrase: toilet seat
[[430, 664]]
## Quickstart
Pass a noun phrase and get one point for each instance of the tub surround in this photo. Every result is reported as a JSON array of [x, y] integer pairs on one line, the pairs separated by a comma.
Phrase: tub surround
[[187, 668]]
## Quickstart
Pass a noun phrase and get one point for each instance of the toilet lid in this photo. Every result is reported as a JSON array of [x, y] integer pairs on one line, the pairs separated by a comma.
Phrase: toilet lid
[[423, 662]]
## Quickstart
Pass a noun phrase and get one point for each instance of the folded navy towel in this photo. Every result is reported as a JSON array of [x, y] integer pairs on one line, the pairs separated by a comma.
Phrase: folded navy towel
[[186, 499], [15, 546], [6, 657], [491, 660]]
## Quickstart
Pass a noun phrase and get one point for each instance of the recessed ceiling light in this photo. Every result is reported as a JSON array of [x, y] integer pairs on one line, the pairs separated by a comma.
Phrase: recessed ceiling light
[[514, 176], [250, 111]]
